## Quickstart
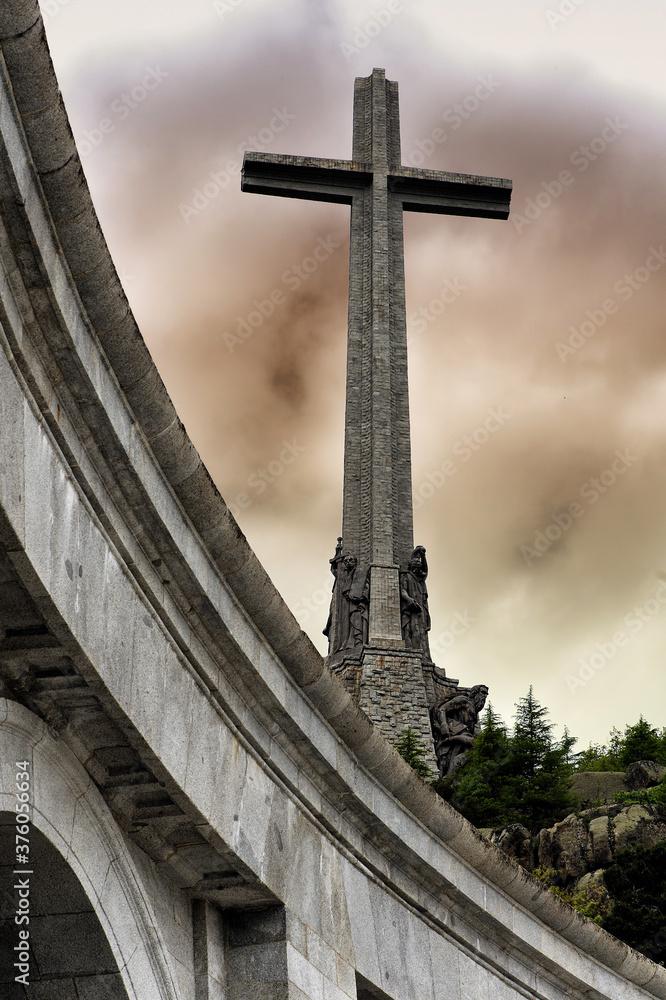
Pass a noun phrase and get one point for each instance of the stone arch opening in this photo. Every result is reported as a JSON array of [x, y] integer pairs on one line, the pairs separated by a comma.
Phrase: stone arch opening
[[365, 990], [69, 955]]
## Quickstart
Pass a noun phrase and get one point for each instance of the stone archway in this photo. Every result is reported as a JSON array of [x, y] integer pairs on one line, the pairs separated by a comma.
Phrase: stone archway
[[69, 955], [96, 930]]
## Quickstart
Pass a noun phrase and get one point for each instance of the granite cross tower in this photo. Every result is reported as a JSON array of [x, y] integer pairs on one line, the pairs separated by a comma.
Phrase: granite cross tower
[[379, 619]]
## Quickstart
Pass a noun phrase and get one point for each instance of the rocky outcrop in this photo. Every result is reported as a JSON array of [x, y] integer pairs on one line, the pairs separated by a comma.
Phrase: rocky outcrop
[[590, 840], [597, 787], [591, 879], [564, 847], [594, 788]]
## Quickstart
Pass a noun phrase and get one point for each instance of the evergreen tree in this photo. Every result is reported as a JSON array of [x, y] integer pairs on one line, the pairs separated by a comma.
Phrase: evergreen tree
[[480, 789], [521, 777], [641, 742], [414, 751], [531, 737], [637, 884], [539, 767], [638, 742]]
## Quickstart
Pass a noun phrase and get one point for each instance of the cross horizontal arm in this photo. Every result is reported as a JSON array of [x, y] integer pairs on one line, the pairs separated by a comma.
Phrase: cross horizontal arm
[[304, 177], [451, 194]]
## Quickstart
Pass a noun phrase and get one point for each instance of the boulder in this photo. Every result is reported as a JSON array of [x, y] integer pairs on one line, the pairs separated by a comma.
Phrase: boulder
[[591, 840], [564, 847], [643, 774], [590, 879], [597, 787], [516, 842], [638, 825]]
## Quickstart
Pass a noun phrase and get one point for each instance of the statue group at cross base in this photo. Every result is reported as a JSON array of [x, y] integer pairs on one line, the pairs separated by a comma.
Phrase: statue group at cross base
[[347, 625], [454, 717]]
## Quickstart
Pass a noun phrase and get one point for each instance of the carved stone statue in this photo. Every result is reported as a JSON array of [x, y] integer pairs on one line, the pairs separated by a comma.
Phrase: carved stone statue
[[414, 613], [347, 625], [454, 724], [359, 603]]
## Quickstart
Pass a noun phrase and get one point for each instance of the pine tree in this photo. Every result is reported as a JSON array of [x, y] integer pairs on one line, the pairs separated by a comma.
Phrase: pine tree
[[522, 777], [641, 742], [637, 884], [531, 737], [539, 767], [480, 789], [411, 749]]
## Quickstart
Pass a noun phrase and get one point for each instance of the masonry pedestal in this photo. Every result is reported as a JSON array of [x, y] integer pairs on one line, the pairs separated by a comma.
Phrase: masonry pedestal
[[390, 686]]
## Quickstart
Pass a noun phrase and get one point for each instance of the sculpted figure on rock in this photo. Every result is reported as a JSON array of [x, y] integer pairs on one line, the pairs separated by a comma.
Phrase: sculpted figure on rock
[[454, 724]]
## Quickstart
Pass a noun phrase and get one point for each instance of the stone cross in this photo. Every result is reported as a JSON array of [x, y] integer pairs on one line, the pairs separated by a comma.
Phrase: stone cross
[[377, 528]]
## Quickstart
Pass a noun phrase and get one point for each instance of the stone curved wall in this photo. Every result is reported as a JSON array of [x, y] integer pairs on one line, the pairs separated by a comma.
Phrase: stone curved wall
[[160, 651]]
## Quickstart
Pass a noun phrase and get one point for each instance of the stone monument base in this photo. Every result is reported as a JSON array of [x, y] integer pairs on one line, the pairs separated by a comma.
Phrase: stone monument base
[[390, 687]]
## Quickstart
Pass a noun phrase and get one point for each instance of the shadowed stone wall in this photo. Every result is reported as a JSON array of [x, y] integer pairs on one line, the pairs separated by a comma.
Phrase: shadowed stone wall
[[70, 957]]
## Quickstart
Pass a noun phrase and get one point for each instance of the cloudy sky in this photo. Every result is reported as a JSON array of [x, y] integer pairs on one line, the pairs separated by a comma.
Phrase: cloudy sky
[[537, 345]]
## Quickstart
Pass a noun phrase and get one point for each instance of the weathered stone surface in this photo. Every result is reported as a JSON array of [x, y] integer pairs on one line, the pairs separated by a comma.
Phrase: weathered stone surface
[[643, 774], [590, 879], [393, 696], [592, 839], [564, 847], [638, 825], [516, 842], [597, 787], [601, 838]]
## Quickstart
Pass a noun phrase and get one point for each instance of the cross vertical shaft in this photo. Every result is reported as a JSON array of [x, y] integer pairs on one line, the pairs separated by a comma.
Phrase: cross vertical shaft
[[377, 509]]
